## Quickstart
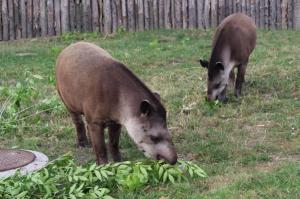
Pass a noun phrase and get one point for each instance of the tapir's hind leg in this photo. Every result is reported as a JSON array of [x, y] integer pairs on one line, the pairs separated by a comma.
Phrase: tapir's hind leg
[[82, 140], [240, 79], [96, 131], [114, 131]]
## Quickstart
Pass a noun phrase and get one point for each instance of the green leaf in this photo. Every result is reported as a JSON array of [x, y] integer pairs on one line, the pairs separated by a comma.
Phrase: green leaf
[[191, 172], [72, 196], [21, 195], [37, 77], [144, 171], [171, 178], [98, 174], [108, 197], [160, 172], [72, 188], [165, 176]]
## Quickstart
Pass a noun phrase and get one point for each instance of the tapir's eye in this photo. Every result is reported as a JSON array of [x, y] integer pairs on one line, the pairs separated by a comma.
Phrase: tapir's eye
[[155, 139], [217, 85]]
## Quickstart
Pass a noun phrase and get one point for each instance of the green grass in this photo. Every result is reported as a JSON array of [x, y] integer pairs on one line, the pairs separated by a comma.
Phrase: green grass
[[249, 147]]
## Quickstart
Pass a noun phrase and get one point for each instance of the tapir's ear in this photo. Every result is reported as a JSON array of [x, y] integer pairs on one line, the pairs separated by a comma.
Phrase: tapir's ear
[[145, 108], [204, 63], [157, 95], [219, 66]]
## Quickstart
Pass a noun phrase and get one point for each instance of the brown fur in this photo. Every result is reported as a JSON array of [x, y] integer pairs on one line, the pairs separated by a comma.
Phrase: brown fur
[[92, 83]]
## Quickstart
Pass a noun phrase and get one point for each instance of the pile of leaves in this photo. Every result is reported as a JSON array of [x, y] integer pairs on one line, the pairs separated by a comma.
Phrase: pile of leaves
[[63, 179]]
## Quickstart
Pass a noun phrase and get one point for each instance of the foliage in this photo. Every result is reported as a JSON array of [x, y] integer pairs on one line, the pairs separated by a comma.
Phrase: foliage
[[63, 179], [19, 102]]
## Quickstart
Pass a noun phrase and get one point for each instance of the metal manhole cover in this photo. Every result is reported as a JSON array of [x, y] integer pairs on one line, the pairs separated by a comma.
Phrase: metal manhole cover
[[12, 158]]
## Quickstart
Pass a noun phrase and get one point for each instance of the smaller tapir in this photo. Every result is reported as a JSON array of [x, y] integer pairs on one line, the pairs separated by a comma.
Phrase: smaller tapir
[[233, 42], [92, 83]]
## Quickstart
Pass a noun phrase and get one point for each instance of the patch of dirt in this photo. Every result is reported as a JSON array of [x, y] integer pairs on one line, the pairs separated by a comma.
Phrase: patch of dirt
[[275, 162], [257, 133], [25, 54]]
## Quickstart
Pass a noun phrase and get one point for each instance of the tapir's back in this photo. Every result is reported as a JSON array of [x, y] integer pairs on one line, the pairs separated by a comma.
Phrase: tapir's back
[[79, 70], [237, 32]]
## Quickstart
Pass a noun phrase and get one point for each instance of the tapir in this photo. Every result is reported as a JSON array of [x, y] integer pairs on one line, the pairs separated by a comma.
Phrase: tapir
[[91, 83], [233, 42]]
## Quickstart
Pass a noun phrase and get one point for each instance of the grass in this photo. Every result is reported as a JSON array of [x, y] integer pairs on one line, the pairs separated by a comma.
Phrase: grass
[[249, 147]]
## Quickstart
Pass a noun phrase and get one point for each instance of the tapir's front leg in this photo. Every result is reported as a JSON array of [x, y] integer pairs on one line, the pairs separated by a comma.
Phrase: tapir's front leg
[[96, 131], [114, 131], [240, 79]]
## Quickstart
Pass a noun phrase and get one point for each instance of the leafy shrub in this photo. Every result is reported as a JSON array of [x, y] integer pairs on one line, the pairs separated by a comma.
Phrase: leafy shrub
[[22, 101], [63, 179]]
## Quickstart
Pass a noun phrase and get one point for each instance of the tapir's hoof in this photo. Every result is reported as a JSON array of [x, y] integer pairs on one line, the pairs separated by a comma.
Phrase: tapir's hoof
[[237, 93], [83, 144], [222, 98]]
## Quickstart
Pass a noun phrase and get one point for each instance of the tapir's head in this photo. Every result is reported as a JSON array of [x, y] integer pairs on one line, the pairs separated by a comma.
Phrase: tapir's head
[[148, 129], [216, 81]]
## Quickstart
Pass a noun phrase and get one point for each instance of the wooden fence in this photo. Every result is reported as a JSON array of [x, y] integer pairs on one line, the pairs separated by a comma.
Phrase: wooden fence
[[35, 18]]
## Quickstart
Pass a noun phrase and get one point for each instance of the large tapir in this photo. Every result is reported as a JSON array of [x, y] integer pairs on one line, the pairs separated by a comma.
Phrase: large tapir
[[232, 45], [92, 83]]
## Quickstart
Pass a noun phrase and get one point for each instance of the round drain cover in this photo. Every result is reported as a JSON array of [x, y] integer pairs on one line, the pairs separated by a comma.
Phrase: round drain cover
[[12, 158]]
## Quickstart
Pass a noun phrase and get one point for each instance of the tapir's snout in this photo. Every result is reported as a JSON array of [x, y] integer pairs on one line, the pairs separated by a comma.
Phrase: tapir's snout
[[168, 153], [211, 98]]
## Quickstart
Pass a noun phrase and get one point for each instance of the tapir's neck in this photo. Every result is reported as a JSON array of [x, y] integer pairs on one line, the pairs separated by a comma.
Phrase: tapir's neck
[[223, 55]]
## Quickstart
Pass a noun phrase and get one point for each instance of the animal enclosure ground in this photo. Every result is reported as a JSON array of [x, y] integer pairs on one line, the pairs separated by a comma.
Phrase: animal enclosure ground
[[249, 147]]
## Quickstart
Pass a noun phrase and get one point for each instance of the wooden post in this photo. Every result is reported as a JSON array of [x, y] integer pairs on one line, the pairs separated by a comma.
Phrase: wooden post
[[36, 18], [222, 11], [11, 20], [296, 17], [262, 13], [234, 5], [200, 14], [184, 14], [119, 13], [284, 14], [43, 18], [167, 13], [229, 7], [78, 15], [178, 15], [252, 9], [131, 18], [173, 24], [87, 25], [72, 15], [1, 33], [278, 14], [114, 18], [151, 13], [206, 14], [107, 20], [290, 14], [95, 15], [50, 17], [17, 22], [243, 6], [155, 14], [5, 20], [192, 14], [23, 18], [29, 18], [161, 14], [267, 15], [65, 22], [124, 14], [140, 10], [147, 15], [257, 13], [57, 4], [214, 21]]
